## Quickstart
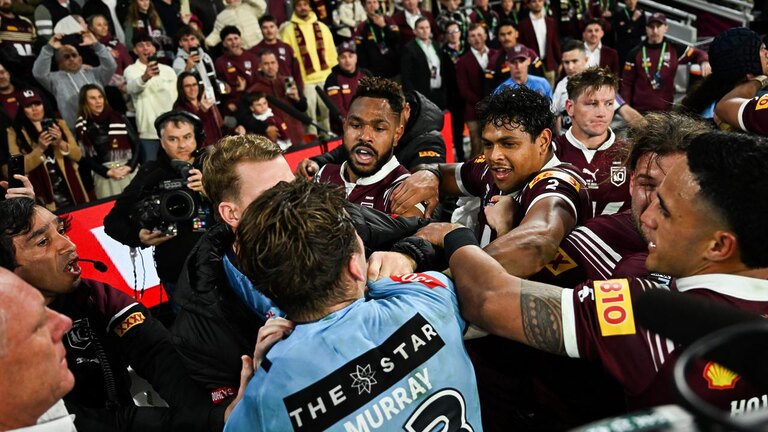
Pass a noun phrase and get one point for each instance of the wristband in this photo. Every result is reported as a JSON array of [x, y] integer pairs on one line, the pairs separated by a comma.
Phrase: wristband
[[762, 79], [457, 239], [434, 170]]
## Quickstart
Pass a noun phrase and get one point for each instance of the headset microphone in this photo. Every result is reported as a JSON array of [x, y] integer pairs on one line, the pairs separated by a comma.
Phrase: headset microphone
[[98, 265]]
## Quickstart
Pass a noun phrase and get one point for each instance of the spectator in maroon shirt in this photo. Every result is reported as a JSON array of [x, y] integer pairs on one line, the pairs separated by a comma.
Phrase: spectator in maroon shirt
[[649, 74]]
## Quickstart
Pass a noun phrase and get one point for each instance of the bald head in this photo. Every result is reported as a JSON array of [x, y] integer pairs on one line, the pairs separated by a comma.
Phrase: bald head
[[69, 59]]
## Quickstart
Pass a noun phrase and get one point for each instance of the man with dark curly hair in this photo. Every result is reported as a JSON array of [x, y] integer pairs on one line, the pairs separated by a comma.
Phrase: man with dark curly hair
[[530, 200]]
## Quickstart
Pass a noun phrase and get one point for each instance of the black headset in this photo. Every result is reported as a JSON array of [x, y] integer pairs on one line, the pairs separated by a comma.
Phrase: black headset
[[195, 120]]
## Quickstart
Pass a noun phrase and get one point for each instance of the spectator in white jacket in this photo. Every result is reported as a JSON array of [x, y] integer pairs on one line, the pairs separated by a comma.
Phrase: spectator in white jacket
[[243, 14], [152, 86], [349, 14]]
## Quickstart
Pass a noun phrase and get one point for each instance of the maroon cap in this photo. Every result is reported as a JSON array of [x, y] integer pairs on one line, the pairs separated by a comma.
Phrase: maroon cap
[[347, 46], [657, 17], [29, 97], [517, 51]]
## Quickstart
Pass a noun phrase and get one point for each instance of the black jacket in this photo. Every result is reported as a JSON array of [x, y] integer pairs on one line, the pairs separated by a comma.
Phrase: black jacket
[[214, 328], [415, 72], [109, 332], [169, 256], [421, 143]]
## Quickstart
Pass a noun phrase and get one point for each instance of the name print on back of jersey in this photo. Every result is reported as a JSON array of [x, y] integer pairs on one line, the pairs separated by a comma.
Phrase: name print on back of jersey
[[364, 379]]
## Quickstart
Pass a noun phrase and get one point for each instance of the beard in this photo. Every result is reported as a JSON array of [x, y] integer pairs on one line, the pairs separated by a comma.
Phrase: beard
[[380, 161]]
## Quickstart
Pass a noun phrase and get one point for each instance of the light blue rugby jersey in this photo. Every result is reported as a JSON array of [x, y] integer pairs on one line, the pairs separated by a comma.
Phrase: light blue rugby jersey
[[394, 361]]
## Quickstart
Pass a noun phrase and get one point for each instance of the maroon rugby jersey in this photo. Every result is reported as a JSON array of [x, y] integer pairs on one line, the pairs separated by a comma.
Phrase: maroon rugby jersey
[[753, 115], [17, 35], [229, 67], [602, 170], [598, 324], [593, 251], [554, 179], [373, 191]]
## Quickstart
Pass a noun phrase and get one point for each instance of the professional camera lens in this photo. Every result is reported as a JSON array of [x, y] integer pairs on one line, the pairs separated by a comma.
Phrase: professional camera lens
[[177, 206]]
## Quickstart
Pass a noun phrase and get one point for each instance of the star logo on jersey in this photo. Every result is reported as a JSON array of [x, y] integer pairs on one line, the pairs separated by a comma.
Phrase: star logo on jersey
[[618, 175], [561, 263], [719, 378], [363, 379]]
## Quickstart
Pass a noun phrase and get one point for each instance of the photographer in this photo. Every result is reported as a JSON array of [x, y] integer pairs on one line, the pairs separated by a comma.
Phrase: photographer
[[179, 132], [50, 152]]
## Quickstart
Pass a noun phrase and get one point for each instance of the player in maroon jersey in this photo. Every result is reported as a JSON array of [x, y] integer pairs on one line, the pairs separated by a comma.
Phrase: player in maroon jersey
[[373, 126], [705, 227], [591, 145], [567, 392], [518, 160], [594, 249]]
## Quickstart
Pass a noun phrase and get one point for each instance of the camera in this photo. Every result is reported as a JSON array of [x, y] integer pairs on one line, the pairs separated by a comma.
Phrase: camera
[[170, 203]]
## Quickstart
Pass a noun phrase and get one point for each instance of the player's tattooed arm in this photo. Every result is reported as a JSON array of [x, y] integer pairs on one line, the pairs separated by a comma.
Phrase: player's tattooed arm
[[541, 314]]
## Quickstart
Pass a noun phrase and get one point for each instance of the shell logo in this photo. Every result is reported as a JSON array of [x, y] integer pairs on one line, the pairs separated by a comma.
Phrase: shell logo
[[720, 378]]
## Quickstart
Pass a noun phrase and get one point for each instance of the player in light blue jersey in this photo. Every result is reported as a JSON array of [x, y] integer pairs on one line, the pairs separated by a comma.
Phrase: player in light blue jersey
[[391, 358]]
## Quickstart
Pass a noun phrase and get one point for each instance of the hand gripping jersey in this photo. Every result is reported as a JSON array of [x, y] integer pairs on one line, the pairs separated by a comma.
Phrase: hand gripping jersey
[[602, 169], [598, 324], [554, 180], [372, 191], [593, 251], [393, 361]]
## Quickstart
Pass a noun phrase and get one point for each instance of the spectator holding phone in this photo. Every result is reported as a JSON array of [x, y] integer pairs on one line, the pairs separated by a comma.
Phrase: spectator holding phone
[[190, 57], [152, 87], [65, 83], [51, 154], [194, 98]]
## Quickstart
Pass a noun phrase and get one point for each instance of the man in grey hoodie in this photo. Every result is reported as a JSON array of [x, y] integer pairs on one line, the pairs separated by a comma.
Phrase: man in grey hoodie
[[65, 83]]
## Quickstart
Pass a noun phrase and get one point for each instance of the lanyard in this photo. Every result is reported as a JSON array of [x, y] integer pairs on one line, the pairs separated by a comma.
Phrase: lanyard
[[661, 58], [373, 33]]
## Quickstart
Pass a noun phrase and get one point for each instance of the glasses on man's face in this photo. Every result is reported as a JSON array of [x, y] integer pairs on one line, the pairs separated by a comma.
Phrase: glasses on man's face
[[69, 56], [453, 31]]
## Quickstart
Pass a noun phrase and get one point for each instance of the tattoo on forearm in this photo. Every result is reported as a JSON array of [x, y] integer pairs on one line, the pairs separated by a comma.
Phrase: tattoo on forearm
[[542, 316]]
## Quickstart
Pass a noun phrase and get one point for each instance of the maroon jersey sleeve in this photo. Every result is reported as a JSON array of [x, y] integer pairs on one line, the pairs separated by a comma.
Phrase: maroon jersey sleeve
[[599, 324], [753, 115], [560, 182], [471, 176]]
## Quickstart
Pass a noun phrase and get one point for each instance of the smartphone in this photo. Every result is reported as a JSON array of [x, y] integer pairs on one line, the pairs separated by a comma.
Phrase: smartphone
[[152, 60], [47, 123], [289, 83], [15, 166], [208, 93], [194, 52]]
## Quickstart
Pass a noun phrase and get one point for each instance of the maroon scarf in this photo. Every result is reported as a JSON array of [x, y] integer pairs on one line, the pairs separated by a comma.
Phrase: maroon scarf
[[308, 67]]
